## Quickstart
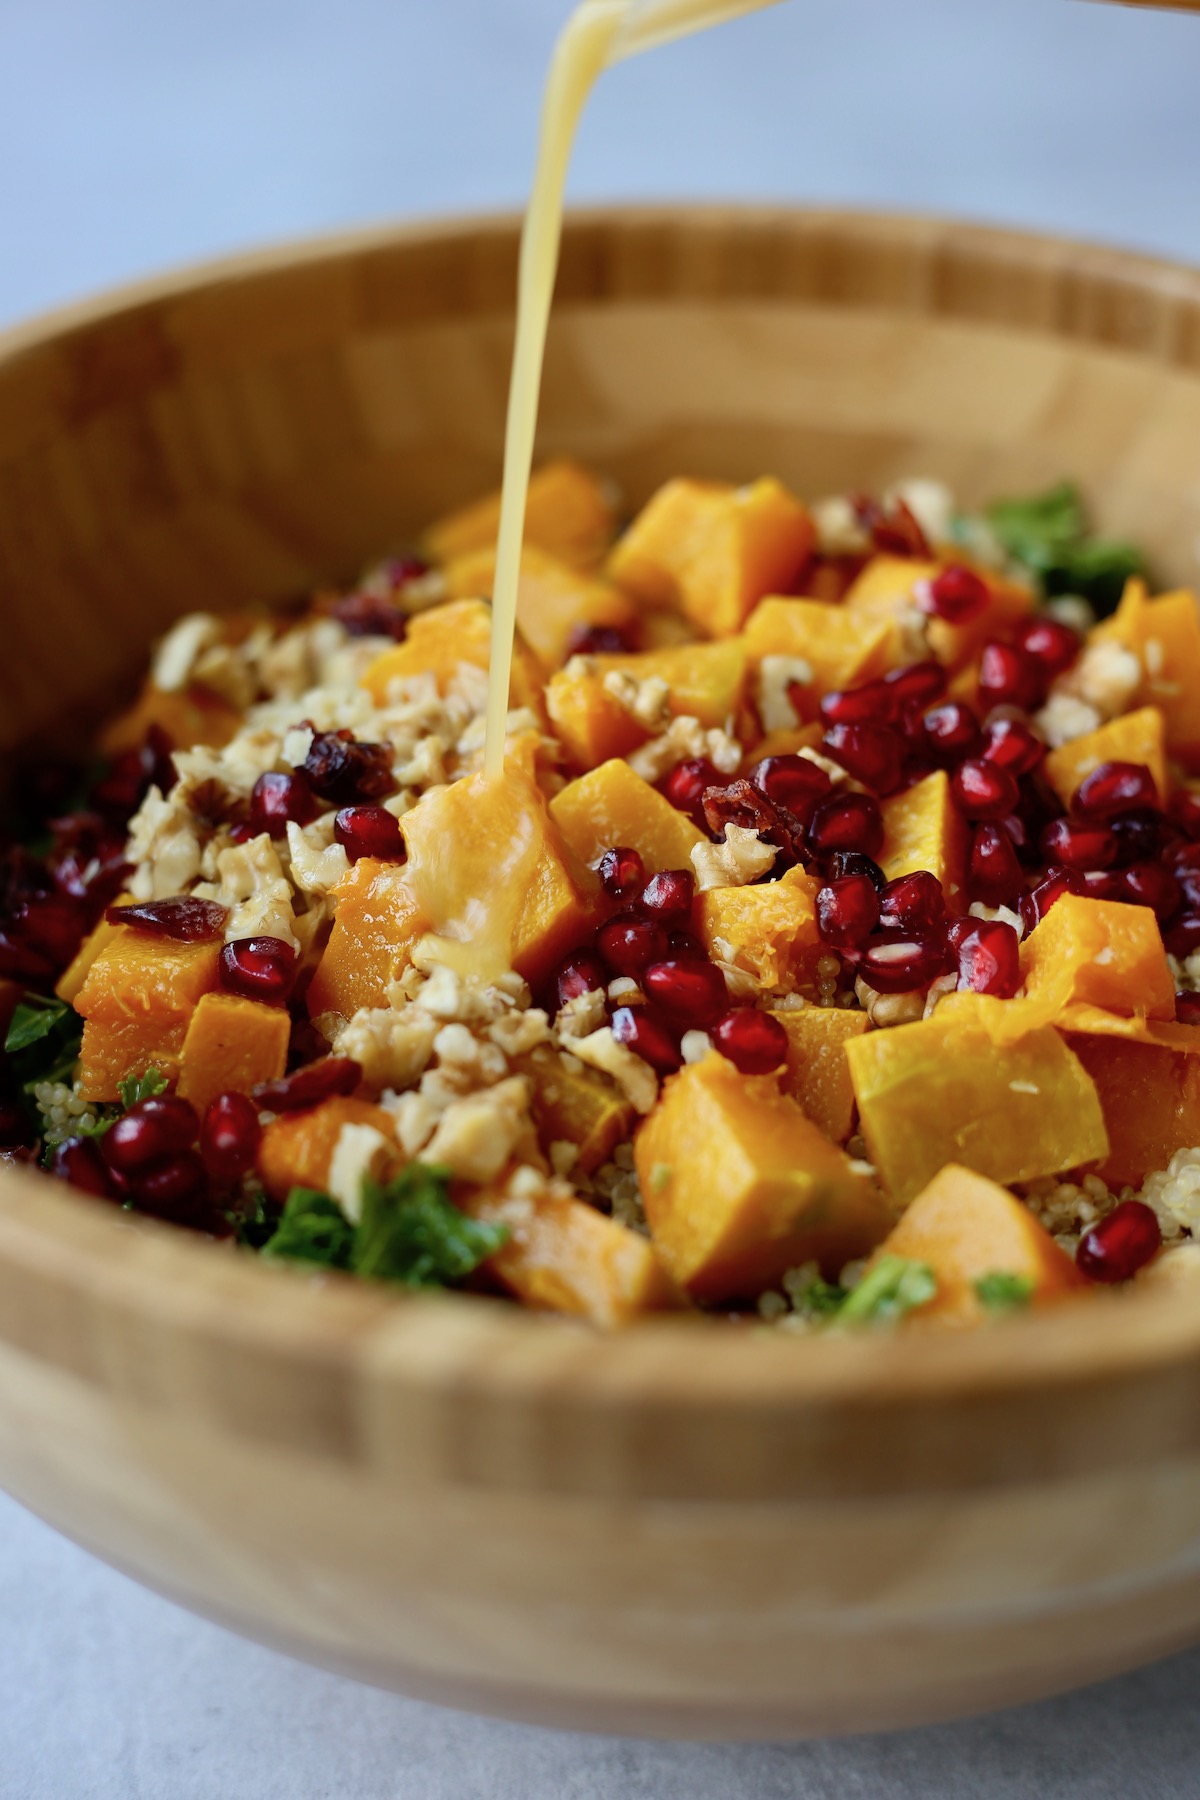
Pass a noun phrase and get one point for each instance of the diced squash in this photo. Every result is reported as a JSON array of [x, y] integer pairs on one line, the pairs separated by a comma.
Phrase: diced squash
[[297, 1147], [1166, 1033], [1151, 1101], [785, 742], [951, 1089], [966, 1227], [1100, 953], [575, 1106], [564, 1256], [137, 1000], [570, 512], [769, 931], [923, 829], [611, 805], [705, 681], [440, 642], [1164, 635], [885, 590], [1135, 737], [739, 1185], [818, 1072], [231, 1045], [713, 551], [75, 974], [841, 648], [192, 715], [552, 598], [376, 923]]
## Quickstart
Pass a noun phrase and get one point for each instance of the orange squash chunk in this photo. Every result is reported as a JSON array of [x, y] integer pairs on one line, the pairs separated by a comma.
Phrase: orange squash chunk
[[950, 1088], [739, 1185], [704, 681], [137, 1000], [923, 829], [575, 1106], [768, 930], [966, 1227], [193, 715], [440, 642], [553, 598], [611, 805], [841, 648], [1151, 1101], [231, 1045], [75, 974], [1164, 635], [570, 512], [1100, 953], [297, 1148], [376, 923], [713, 551], [783, 742], [884, 590], [1135, 737], [818, 1072]]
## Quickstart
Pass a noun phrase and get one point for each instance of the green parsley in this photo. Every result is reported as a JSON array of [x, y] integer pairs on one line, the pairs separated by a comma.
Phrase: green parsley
[[313, 1228], [886, 1292], [136, 1088], [42, 1041], [1000, 1292], [1049, 535]]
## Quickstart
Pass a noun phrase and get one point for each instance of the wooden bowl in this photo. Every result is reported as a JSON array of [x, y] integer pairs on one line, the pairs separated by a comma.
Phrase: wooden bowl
[[685, 1530]]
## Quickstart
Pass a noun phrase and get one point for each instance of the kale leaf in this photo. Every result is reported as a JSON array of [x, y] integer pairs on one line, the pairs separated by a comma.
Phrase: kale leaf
[[1049, 535], [313, 1228], [1000, 1292], [42, 1042]]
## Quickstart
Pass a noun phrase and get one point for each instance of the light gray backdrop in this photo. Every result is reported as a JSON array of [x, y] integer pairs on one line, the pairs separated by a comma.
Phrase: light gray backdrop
[[136, 133]]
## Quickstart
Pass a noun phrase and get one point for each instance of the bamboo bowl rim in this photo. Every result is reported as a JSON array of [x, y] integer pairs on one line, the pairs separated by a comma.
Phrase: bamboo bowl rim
[[63, 1259]]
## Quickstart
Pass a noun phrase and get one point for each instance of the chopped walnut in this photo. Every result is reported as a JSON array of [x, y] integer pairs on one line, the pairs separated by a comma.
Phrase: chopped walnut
[[695, 1046], [1105, 679], [647, 701], [360, 1152], [315, 870], [738, 860], [1064, 717], [581, 1016], [1006, 915], [839, 532], [224, 670], [938, 989], [163, 847], [250, 881], [635, 1078], [394, 1048], [777, 675], [476, 1136], [176, 655], [517, 1033], [890, 1009], [684, 738]]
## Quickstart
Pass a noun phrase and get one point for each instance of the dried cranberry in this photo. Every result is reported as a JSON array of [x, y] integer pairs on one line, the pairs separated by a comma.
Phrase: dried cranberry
[[1079, 844], [1007, 677], [370, 615], [847, 822], [792, 782], [230, 1136], [913, 903], [648, 1036], [1115, 788], [601, 640], [949, 731], [1050, 643], [621, 871], [989, 959], [754, 1042], [898, 962], [954, 594], [258, 968], [692, 992], [343, 770], [892, 526], [148, 1132], [79, 1161], [186, 919], [916, 684], [369, 831], [740, 803], [983, 790], [1012, 745], [629, 941], [317, 1081], [871, 753], [993, 871], [847, 910], [1120, 1244], [277, 800], [581, 974], [667, 896], [871, 704], [687, 783]]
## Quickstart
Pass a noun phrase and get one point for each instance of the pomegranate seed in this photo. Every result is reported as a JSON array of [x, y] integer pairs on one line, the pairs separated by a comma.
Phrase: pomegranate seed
[[792, 782], [600, 640], [916, 684], [1101, 884], [949, 730], [648, 1037], [1012, 745], [989, 959], [1149, 884], [847, 822], [913, 903], [1183, 937], [1050, 643], [229, 1136], [1121, 1244], [1185, 810], [582, 973], [1114, 788], [369, 615], [853, 862], [955, 594], [78, 1160], [871, 704], [148, 1132], [1138, 835], [847, 910], [343, 770], [317, 1081], [1037, 902], [258, 968], [1079, 844], [993, 871], [629, 942], [692, 992], [1007, 677], [754, 1042], [983, 790], [871, 753], [668, 895], [1187, 1008], [683, 945], [176, 1189], [899, 962], [369, 831], [1189, 886], [685, 786], [276, 800], [621, 872]]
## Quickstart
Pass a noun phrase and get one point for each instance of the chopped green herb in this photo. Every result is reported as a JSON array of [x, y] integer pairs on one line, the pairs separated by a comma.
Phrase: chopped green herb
[[810, 1294], [42, 1042], [411, 1232], [892, 1288], [1049, 535], [136, 1088], [313, 1229], [255, 1219], [1001, 1292]]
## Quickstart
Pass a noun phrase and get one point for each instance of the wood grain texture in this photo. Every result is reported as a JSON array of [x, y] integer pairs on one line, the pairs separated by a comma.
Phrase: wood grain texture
[[681, 1529]]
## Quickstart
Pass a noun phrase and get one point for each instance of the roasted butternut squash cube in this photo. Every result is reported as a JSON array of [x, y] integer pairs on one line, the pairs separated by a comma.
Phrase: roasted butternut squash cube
[[951, 1089], [1135, 737], [840, 648], [443, 640], [818, 1072], [553, 599], [570, 513], [75, 974], [231, 1045], [297, 1147], [189, 716], [713, 551], [923, 829], [885, 589], [767, 931], [137, 1000], [739, 1186], [966, 1228], [1099, 953], [1164, 635], [376, 923], [575, 1106], [703, 681], [784, 742], [611, 805], [1150, 1096], [564, 1256]]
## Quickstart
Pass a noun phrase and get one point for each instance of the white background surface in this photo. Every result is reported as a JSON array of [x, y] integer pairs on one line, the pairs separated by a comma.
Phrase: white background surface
[[136, 133]]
